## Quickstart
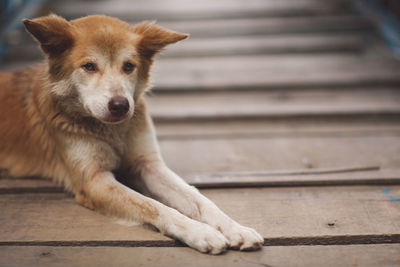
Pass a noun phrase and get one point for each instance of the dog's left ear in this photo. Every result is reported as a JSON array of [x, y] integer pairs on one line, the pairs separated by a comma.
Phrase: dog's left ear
[[154, 38], [54, 33]]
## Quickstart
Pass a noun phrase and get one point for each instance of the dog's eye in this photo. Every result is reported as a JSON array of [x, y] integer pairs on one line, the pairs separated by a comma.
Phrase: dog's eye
[[128, 67], [89, 67]]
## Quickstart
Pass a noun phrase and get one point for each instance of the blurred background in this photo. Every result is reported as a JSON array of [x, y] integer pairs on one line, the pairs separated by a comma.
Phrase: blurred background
[[251, 70], [224, 27]]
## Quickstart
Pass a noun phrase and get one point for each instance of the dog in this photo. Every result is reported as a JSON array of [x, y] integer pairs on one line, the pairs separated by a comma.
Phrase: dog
[[80, 118]]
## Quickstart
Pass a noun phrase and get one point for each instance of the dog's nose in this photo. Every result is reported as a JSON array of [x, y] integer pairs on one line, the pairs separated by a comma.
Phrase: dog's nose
[[118, 106]]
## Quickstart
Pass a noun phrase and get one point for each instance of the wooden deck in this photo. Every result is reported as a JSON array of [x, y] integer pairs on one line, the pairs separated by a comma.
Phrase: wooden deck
[[287, 115]]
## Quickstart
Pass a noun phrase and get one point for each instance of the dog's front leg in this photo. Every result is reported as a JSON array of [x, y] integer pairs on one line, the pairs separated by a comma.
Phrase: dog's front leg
[[103, 193], [158, 181]]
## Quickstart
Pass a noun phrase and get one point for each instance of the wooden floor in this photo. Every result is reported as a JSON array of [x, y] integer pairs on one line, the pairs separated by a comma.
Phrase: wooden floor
[[287, 115]]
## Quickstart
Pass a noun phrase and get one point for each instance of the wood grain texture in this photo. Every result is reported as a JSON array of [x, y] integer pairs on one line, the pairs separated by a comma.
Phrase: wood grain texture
[[265, 104], [289, 213], [312, 211], [381, 177], [268, 71], [239, 179], [57, 217], [279, 153], [271, 26], [274, 153], [289, 127], [273, 44], [310, 256]]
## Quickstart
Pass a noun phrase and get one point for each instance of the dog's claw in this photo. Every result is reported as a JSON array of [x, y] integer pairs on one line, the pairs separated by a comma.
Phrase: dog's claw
[[243, 238], [205, 239]]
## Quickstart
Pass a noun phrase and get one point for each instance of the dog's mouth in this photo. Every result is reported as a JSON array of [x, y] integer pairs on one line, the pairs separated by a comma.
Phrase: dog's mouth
[[112, 119]]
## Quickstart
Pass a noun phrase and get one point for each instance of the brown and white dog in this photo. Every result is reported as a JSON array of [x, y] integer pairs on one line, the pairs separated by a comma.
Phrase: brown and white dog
[[80, 118]]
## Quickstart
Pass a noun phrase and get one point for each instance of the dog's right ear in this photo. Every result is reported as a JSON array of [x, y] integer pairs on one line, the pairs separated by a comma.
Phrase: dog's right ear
[[154, 38], [54, 33]]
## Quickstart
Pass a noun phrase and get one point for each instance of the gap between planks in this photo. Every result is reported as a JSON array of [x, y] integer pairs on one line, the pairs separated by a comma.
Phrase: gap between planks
[[310, 256], [312, 177], [361, 175], [277, 241]]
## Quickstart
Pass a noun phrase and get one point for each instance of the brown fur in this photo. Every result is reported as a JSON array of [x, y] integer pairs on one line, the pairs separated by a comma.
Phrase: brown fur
[[56, 121], [33, 120]]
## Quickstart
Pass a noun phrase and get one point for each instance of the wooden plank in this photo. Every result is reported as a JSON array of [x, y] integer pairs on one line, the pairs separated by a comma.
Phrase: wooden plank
[[308, 177], [227, 46], [314, 178], [49, 217], [311, 256], [349, 169], [291, 71], [204, 156], [257, 153], [273, 44], [267, 26], [335, 126], [343, 212], [264, 104], [312, 211], [179, 9], [248, 148]]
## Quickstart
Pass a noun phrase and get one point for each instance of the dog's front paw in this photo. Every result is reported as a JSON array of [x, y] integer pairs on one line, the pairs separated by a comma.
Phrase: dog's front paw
[[206, 239], [241, 237]]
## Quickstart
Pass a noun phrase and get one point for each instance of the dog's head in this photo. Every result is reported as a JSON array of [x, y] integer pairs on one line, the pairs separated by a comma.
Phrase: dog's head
[[100, 63]]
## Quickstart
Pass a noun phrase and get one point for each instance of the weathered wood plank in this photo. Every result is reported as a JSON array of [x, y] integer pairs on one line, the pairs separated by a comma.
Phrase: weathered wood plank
[[238, 179], [274, 153], [338, 126], [178, 9], [382, 177], [313, 211], [266, 26], [279, 153], [291, 71], [49, 217], [264, 104], [293, 43], [284, 213], [310, 256]]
